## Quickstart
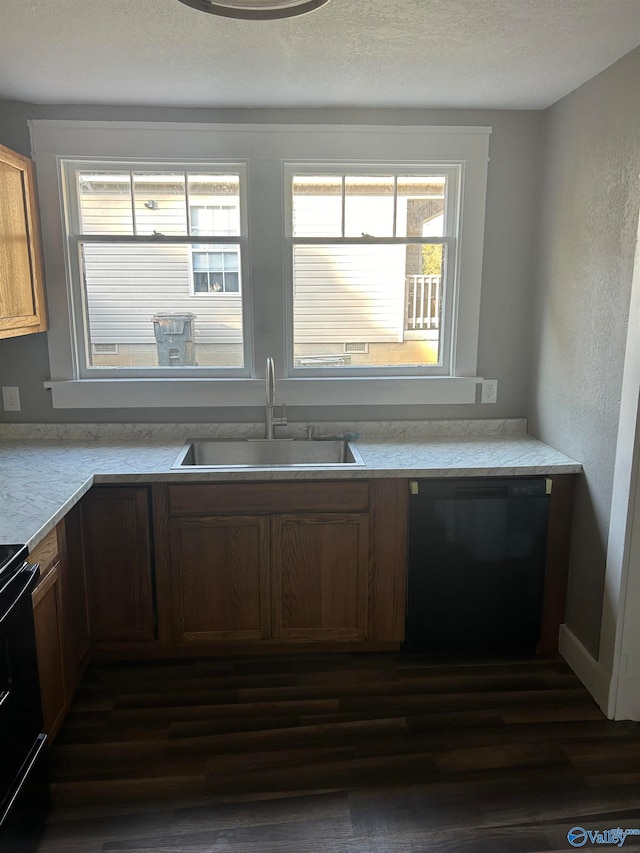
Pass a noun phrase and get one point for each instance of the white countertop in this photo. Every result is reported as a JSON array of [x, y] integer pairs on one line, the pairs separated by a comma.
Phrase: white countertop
[[42, 478]]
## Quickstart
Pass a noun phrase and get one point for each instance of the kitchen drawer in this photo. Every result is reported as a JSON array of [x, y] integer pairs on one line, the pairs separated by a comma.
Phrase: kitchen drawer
[[323, 496]]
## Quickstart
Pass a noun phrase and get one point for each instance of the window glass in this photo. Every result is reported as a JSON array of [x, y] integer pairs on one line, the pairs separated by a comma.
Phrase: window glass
[[105, 202], [214, 203], [139, 297], [421, 206], [369, 304], [317, 205], [216, 272], [368, 206], [160, 203], [142, 300], [388, 299]]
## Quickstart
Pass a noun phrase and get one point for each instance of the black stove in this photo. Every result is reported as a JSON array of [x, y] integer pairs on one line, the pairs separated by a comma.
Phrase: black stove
[[24, 789], [11, 558], [8, 553]]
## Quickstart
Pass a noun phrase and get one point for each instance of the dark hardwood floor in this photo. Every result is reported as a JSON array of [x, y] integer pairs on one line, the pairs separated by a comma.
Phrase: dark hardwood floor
[[374, 753]]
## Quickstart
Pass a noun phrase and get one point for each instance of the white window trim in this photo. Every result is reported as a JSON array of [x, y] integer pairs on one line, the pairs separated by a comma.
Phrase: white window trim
[[53, 141]]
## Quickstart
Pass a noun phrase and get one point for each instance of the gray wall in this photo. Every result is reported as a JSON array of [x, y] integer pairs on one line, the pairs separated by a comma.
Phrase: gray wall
[[507, 271], [588, 219]]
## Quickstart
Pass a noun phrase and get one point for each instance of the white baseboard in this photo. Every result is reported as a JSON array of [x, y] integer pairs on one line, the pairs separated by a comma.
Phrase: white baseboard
[[591, 673]]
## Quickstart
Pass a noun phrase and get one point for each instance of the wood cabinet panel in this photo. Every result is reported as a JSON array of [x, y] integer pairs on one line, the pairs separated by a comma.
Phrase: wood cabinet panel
[[313, 496], [388, 582], [47, 617], [60, 617], [76, 640], [319, 573], [22, 308], [45, 552], [220, 578], [328, 577], [117, 558]]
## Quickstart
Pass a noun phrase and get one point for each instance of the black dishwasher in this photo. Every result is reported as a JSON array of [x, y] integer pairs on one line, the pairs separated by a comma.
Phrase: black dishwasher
[[476, 558]]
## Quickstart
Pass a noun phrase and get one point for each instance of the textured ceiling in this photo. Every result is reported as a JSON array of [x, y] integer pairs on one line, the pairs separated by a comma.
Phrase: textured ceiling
[[377, 53]]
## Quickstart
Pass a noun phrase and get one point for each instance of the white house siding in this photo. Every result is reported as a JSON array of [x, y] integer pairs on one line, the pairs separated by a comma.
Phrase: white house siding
[[348, 293], [344, 292], [341, 292], [106, 215], [127, 284], [109, 212]]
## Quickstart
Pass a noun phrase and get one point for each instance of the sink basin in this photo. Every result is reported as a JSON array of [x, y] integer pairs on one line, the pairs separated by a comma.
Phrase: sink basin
[[266, 453]]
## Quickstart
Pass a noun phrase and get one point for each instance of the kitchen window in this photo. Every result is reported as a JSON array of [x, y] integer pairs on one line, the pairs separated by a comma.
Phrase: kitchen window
[[373, 262], [138, 236], [200, 249]]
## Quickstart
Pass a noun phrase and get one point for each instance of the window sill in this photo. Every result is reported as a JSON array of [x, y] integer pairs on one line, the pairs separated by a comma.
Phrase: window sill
[[208, 393]]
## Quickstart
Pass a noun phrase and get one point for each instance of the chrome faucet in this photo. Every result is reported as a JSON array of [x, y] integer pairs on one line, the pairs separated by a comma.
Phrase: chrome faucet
[[270, 421]]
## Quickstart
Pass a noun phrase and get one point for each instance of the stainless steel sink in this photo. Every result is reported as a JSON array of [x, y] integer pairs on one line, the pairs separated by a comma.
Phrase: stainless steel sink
[[266, 453]]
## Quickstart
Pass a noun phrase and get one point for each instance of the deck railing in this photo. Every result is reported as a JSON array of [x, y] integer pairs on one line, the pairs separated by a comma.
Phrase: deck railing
[[423, 301]]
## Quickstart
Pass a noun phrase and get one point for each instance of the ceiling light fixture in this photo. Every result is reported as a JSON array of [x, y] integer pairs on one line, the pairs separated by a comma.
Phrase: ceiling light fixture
[[255, 10]]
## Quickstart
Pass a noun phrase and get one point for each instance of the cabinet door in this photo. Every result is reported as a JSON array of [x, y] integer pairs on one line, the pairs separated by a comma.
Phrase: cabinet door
[[117, 558], [319, 576], [220, 578], [47, 617], [21, 289]]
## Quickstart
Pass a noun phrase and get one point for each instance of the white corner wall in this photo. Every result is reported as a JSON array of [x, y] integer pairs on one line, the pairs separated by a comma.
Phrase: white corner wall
[[588, 217]]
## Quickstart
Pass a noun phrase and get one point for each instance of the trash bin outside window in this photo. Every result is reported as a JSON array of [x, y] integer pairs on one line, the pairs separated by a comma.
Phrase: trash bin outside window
[[174, 335]]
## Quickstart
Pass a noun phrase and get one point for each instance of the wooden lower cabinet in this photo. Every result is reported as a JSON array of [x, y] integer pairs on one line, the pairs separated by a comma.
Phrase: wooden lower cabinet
[[300, 577], [220, 578], [76, 640], [47, 616], [277, 563], [239, 567], [60, 619], [117, 560], [319, 576]]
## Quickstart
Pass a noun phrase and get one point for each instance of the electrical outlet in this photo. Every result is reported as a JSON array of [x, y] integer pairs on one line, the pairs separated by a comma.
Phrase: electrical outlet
[[11, 398], [489, 391]]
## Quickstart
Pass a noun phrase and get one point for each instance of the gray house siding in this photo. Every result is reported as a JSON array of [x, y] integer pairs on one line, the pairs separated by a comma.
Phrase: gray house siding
[[127, 284], [349, 293], [341, 292]]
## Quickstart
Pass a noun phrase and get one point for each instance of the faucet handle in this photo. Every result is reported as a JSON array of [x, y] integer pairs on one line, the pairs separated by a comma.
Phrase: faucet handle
[[282, 420]]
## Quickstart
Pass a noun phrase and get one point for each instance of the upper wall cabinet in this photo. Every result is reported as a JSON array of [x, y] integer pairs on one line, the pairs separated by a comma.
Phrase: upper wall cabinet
[[22, 308]]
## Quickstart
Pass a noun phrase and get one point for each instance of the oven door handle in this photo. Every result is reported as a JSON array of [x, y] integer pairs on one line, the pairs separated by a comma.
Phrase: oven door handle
[[30, 571]]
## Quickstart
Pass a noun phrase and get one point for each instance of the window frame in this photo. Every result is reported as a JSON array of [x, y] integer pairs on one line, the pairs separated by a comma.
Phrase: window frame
[[203, 248], [75, 238], [449, 240], [204, 294], [265, 149]]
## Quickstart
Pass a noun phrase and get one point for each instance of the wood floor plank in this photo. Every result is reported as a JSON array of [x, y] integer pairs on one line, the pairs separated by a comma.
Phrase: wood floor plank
[[373, 753]]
